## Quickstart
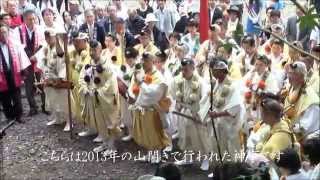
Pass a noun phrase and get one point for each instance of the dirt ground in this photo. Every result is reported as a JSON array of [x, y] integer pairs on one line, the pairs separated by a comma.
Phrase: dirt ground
[[34, 151]]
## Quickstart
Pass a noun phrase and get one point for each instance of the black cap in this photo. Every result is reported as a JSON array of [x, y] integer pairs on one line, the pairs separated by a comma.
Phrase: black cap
[[161, 54], [192, 23], [147, 56], [131, 52], [187, 61], [94, 43], [234, 9], [263, 58]]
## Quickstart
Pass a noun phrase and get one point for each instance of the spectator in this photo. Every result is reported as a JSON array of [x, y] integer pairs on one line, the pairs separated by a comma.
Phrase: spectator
[[15, 17], [75, 13], [239, 4], [214, 12], [135, 23], [311, 150], [295, 32], [122, 10], [174, 39], [69, 26], [112, 53], [166, 19], [253, 18], [314, 37], [159, 38], [290, 164], [10, 75], [192, 39], [146, 45], [94, 30], [51, 21], [109, 22], [144, 8], [5, 19], [99, 12], [181, 25], [234, 28], [44, 4], [124, 37], [25, 5]]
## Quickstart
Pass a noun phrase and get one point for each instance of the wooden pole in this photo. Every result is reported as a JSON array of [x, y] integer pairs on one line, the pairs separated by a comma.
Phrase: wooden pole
[[66, 58], [289, 44]]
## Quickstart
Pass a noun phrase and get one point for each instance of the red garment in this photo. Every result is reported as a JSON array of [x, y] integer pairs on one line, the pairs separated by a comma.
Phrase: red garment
[[204, 20], [15, 21], [36, 46], [16, 69]]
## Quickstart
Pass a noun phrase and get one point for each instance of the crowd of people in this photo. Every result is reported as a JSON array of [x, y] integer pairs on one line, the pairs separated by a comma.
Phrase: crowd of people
[[144, 74]]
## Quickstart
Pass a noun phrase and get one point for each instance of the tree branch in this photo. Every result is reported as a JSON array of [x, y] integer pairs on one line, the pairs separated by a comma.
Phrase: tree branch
[[299, 6], [289, 44]]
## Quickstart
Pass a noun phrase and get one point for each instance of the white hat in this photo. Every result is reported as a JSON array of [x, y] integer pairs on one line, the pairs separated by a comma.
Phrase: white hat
[[151, 18], [275, 27], [220, 65], [81, 35], [299, 67], [74, 2]]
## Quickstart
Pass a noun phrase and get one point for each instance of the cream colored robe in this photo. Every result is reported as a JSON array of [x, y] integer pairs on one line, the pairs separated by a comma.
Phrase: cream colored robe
[[54, 68], [192, 136], [101, 104], [253, 116], [227, 128]]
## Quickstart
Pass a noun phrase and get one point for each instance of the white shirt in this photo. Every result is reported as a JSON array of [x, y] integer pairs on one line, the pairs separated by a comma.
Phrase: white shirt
[[161, 21], [309, 121], [315, 35], [91, 30], [29, 33], [299, 176], [21, 55], [123, 13], [211, 13], [5, 52], [298, 31]]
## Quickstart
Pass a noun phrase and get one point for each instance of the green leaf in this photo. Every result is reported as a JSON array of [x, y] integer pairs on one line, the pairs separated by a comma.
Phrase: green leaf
[[310, 20]]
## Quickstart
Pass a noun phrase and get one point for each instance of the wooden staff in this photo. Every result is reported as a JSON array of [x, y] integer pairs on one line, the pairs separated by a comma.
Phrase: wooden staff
[[212, 120], [187, 117], [66, 58]]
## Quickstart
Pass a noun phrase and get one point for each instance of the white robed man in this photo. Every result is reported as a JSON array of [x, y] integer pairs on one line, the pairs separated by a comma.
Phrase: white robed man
[[301, 105], [51, 62], [124, 81], [227, 110], [258, 81], [149, 109], [99, 90], [208, 49], [188, 89]]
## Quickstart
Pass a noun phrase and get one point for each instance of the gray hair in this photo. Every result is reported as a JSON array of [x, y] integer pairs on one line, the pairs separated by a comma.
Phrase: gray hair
[[299, 67]]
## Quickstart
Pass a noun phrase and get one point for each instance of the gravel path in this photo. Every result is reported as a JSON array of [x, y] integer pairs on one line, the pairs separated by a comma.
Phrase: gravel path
[[35, 151]]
